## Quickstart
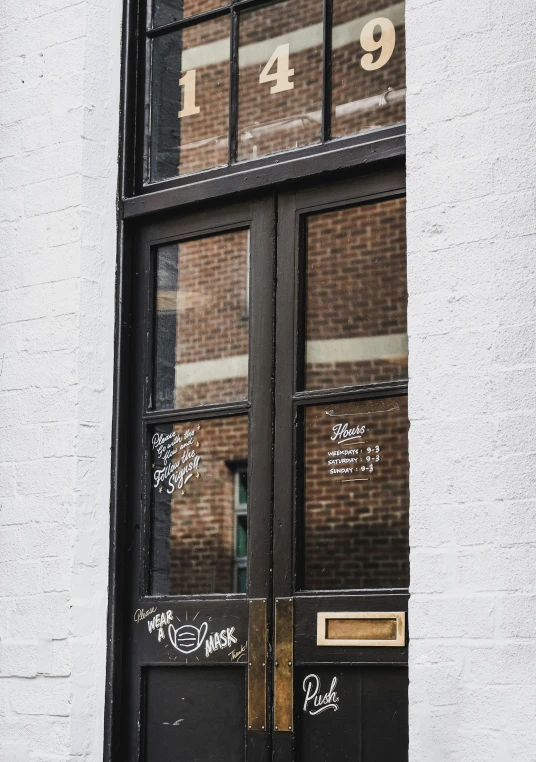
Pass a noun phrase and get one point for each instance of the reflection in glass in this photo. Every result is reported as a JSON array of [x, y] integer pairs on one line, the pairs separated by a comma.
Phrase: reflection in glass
[[356, 495], [168, 11], [280, 77], [368, 65], [198, 531], [201, 336], [190, 100], [356, 300]]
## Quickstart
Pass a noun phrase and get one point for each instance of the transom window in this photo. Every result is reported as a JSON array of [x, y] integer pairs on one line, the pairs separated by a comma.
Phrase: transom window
[[236, 81]]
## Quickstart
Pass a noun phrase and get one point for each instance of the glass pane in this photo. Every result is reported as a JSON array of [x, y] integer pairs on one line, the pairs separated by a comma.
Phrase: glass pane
[[356, 495], [190, 100], [356, 302], [168, 11], [193, 487], [280, 77], [241, 582], [241, 536], [202, 326], [368, 65]]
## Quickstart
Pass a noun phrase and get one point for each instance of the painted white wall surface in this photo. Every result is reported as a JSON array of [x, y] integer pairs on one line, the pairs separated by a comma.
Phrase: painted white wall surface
[[472, 311], [59, 107]]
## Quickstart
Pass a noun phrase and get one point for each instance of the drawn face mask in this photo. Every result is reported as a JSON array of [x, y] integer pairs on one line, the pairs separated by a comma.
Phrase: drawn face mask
[[187, 638]]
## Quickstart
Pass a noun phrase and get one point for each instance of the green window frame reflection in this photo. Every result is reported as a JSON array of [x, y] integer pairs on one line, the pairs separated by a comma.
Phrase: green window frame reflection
[[240, 525]]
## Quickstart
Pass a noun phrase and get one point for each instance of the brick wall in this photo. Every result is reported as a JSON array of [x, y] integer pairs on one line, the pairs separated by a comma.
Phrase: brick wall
[[355, 534], [59, 83], [471, 279]]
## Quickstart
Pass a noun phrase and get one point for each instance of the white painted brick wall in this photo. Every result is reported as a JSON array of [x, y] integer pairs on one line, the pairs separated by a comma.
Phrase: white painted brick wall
[[59, 106], [472, 284]]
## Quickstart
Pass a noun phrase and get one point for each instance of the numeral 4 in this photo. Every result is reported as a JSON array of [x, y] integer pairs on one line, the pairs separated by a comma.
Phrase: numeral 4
[[283, 72]]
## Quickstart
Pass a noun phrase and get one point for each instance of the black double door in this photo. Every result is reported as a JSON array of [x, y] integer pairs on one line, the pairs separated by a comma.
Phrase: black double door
[[266, 481]]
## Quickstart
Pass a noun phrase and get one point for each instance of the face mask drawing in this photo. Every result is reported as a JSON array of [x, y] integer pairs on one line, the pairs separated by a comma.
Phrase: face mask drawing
[[187, 638]]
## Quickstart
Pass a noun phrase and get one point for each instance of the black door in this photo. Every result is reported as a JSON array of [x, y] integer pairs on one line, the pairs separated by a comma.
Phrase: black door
[[267, 481], [341, 566], [199, 486]]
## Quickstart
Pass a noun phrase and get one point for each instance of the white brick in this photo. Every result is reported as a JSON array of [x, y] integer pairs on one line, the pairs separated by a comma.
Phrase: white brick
[[41, 696], [471, 275]]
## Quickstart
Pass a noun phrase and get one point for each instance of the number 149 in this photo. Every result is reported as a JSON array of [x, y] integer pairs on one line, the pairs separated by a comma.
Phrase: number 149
[[278, 71]]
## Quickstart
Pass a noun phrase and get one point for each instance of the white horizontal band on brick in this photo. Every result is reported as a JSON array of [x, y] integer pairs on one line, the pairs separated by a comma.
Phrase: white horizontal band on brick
[[206, 371], [323, 351], [302, 39], [360, 349]]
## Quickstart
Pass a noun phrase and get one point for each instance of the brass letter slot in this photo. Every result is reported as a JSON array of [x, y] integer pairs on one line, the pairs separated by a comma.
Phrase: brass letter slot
[[363, 628], [284, 665], [257, 665]]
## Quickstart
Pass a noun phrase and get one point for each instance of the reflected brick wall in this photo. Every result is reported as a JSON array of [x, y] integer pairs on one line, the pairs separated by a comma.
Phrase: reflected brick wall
[[352, 83], [194, 550], [356, 532], [212, 322], [356, 288]]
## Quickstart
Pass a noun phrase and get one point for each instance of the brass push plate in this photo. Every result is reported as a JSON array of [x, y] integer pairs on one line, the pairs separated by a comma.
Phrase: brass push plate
[[257, 665], [284, 665], [362, 628]]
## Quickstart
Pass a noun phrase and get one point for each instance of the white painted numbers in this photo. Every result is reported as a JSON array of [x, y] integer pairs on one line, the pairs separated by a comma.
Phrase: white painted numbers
[[188, 82], [377, 35], [385, 43], [283, 72]]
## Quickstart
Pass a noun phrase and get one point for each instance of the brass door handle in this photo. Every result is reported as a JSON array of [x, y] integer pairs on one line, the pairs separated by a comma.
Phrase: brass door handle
[[284, 665], [257, 664]]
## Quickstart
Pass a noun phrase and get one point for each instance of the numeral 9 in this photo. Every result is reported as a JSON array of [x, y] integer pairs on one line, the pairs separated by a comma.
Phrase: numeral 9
[[385, 43]]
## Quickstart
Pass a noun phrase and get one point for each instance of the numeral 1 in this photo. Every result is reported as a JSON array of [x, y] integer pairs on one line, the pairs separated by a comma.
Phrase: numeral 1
[[188, 104]]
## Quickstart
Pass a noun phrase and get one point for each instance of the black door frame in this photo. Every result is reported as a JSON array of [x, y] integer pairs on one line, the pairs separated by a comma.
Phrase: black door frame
[[370, 154]]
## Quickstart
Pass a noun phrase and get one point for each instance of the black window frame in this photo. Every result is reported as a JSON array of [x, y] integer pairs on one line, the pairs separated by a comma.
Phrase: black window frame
[[141, 197]]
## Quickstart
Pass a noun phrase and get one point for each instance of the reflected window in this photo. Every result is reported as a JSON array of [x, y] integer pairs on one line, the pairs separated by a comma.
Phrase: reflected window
[[241, 528], [368, 65], [356, 296], [356, 495], [202, 324], [190, 99], [199, 516], [280, 77]]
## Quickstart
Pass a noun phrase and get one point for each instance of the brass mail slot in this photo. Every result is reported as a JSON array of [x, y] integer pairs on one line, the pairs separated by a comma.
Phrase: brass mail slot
[[363, 628]]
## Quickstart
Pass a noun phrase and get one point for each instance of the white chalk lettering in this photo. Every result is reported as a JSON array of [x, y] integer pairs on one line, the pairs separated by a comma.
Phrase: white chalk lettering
[[316, 702]]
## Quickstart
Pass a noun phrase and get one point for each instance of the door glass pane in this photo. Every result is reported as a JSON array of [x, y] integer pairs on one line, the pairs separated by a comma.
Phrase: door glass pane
[[168, 11], [356, 300], [280, 77], [368, 65], [193, 484], [202, 323], [356, 495], [190, 100]]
